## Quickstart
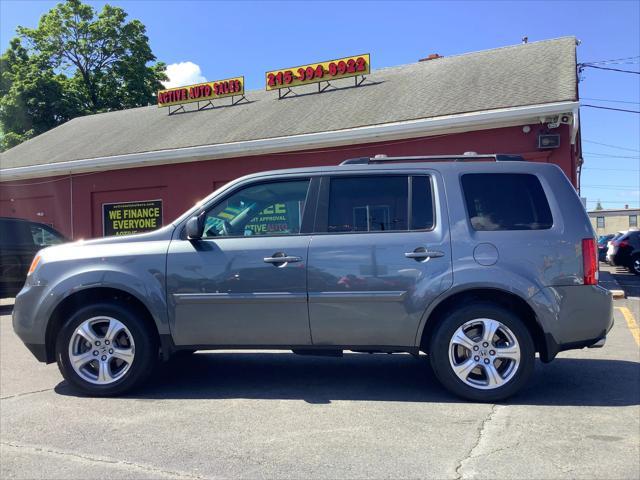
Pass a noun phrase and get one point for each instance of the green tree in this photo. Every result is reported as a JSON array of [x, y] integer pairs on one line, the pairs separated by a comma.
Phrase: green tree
[[599, 205], [77, 61], [32, 96]]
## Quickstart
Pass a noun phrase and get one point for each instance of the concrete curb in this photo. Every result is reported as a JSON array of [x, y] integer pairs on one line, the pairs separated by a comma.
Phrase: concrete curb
[[6, 301]]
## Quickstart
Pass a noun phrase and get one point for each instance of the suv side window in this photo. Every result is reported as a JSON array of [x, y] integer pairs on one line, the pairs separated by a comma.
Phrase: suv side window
[[380, 203], [43, 237], [274, 208], [506, 201]]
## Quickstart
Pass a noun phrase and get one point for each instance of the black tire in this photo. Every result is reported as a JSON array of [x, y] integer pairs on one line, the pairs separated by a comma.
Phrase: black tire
[[146, 350], [634, 266], [439, 351]]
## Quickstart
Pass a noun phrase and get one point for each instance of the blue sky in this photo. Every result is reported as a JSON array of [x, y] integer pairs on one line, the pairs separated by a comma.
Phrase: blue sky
[[248, 38]]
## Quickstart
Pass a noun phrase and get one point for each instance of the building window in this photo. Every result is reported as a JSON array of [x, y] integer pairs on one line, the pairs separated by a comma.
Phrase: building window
[[633, 220], [600, 222]]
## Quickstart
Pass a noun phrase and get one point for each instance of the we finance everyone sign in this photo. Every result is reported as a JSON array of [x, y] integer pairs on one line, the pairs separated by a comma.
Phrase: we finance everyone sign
[[131, 217], [229, 87]]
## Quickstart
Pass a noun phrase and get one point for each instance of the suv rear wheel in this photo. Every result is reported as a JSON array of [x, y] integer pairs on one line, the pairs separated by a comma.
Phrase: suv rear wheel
[[105, 350], [482, 352]]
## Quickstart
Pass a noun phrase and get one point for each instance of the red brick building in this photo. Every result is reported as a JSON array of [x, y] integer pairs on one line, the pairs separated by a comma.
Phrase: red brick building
[[494, 101]]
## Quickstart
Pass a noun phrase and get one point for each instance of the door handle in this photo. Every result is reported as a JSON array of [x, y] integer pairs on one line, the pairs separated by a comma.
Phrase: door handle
[[422, 253], [281, 258]]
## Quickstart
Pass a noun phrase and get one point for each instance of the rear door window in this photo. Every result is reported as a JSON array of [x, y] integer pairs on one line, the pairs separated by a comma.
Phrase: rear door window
[[506, 201], [380, 203]]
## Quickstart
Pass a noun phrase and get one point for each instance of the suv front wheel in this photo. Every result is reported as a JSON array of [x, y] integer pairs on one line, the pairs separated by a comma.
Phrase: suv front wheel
[[105, 349], [482, 352]]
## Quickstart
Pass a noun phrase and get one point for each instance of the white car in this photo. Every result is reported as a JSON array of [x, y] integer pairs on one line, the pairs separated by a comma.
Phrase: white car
[[612, 247]]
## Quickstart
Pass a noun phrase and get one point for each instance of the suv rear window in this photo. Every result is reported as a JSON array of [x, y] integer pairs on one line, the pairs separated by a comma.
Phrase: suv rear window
[[377, 203], [506, 201]]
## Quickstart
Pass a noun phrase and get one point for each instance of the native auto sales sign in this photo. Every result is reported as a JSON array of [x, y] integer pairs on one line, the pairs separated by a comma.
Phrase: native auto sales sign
[[201, 92], [131, 217]]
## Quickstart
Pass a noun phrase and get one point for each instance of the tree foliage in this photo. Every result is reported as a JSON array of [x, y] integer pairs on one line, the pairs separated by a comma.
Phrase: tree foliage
[[77, 61]]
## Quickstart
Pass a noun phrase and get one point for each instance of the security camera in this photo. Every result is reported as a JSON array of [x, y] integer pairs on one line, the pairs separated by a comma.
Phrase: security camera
[[565, 118]]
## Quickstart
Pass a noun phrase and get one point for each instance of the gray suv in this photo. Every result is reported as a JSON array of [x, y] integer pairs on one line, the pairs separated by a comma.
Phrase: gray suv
[[480, 261]]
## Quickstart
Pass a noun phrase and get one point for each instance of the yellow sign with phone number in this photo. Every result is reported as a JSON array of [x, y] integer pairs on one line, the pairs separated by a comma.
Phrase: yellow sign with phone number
[[319, 72]]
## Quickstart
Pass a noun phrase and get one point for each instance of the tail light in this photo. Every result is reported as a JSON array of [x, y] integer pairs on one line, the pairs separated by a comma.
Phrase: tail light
[[589, 261], [621, 243]]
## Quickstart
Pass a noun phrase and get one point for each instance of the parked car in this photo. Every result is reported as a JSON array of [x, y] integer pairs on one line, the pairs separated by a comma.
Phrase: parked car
[[603, 241], [375, 255], [612, 246], [627, 252], [20, 240]]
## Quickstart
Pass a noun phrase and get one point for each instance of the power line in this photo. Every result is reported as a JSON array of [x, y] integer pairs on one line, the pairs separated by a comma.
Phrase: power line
[[606, 155], [610, 101], [611, 169], [611, 146], [583, 65], [615, 60], [610, 108], [612, 187], [614, 201]]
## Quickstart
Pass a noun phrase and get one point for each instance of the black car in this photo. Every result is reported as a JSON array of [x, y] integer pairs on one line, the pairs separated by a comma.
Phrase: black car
[[603, 244], [20, 240], [628, 252]]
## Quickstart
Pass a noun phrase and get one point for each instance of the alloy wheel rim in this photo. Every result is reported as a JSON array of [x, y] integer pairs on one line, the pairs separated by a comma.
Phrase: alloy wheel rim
[[101, 350], [636, 265], [484, 354]]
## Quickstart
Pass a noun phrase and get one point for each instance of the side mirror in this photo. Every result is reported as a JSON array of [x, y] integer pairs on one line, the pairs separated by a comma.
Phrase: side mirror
[[195, 227]]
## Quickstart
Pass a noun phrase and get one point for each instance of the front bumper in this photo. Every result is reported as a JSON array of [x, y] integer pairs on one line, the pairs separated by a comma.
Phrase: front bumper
[[28, 325]]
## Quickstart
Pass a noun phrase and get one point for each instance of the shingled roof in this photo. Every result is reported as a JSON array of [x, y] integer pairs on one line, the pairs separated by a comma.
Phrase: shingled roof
[[520, 75]]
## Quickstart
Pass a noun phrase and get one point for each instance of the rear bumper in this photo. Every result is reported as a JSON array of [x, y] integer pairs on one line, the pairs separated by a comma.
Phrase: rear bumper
[[39, 350], [573, 317]]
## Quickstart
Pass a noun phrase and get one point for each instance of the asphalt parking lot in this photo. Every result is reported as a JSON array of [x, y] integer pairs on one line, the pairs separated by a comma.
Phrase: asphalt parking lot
[[277, 415]]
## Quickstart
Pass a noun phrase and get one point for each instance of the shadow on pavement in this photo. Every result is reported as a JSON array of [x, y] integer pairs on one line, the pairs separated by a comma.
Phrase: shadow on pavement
[[401, 378], [628, 281]]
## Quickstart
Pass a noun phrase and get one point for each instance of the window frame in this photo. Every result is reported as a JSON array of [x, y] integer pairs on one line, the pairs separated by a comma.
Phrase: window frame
[[321, 222], [635, 223], [308, 213], [547, 197], [598, 218]]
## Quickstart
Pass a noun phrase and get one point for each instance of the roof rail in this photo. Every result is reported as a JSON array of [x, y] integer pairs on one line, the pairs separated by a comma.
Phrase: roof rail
[[465, 157]]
